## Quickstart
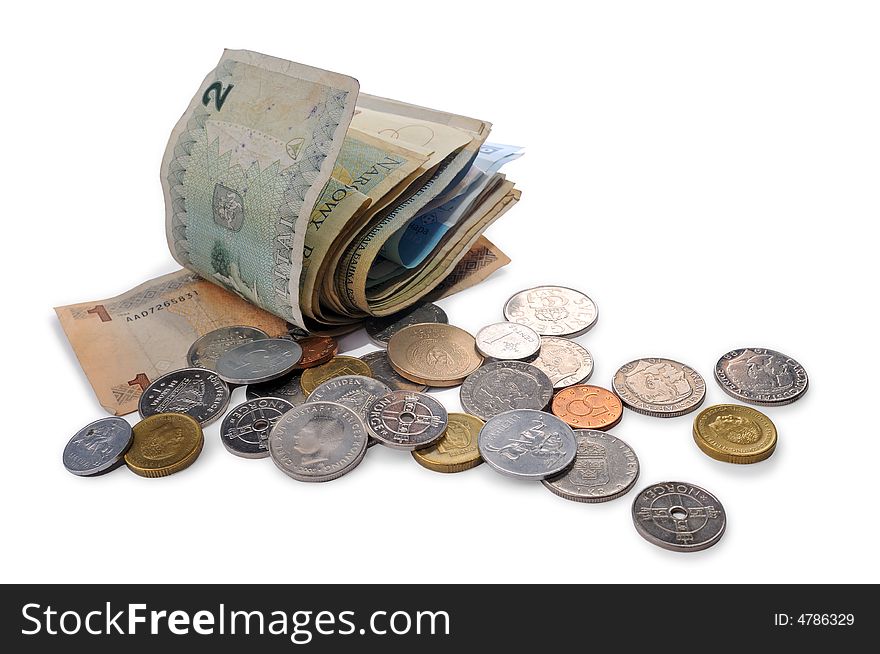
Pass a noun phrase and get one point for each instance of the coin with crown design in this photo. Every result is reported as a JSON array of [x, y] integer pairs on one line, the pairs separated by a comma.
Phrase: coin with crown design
[[604, 468]]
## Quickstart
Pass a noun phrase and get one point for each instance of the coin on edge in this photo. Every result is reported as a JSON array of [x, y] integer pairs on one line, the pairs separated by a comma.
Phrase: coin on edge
[[662, 388], [208, 348], [583, 406], [98, 447], [679, 516], [457, 449], [527, 444], [501, 386], [245, 429], [735, 433], [434, 354], [604, 469], [404, 420], [320, 441], [163, 444], [287, 388], [761, 376], [336, 367], [381, 329], [552, 310], [564, 361], [259, 361], [316, 350], [381, 368], [196, 392], [508, 341]]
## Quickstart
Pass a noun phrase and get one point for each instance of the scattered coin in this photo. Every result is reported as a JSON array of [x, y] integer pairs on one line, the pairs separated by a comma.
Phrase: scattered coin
[[552, 310], [380, 330], [207, 349], [335, 367], [316, 350], [163, 444], [508, 341], [761, 376], [245, 430], [318, 441], [434, 354], [587, 407], [354, 391], [406, 421], [564, 361], [287, 388], [196, 392], [259, 361], [604, 469], [381, 368], [662, 388], [98, 447], [457, 449], [501, 386], [295, 333], [679, 516], [527, 444], [735, 433]]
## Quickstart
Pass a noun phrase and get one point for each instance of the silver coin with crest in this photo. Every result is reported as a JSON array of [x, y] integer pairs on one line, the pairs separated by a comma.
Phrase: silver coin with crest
[[98, 447], [245, 429], [662, 388], [508, 341], [287, 388], [382, 370], [380, 330], [552, 310], [259, 361], [679, 516], [197, 392], [319, 441], [604, 469], [565, 362], [501, 386], [527, 444], [761, 376], [207, 349], [354, 391], [405, 420]]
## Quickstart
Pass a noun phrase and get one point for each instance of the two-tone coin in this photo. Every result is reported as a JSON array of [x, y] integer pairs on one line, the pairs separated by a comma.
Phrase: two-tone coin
[[196, 392], [552, 310], [735, 433], [662, 388], [98, 447], [208, 348], [258, 361], [163, 444], [457, 450], [287, 388], [679, 516], [381, 329], [381, 369], [501, 386], [527, 444], [508, 341], [434, 354], [338, 366], [245, 429], [404, 420], [316, 350], [565, 362], [604, 469], [761, 376], [584, 406]]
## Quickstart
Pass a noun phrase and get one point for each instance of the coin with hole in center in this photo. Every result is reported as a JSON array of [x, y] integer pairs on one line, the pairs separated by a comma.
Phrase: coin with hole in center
[[207, 349], [584, 406], [404, 420], [98, 447], [679, 516], [245, 429], [501, 386], [604, 469], [196, 392]]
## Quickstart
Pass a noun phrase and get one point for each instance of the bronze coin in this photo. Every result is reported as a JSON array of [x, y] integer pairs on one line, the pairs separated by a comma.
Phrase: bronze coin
[[316, 350], [435, 354], [587, 407], [335, 367]]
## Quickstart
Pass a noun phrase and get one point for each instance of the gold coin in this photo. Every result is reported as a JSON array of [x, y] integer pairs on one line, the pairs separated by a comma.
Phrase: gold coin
[[163, 444], [735, 433], [335, 367], [457, 449], [435, 354]]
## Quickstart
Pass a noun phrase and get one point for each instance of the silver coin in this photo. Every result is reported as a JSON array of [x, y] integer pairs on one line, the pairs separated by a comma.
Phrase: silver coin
[[98, 447], [662, 388], [382, 370], [527, 444], [508, 341], [245, 429], [501, 386], [354, 391], [761, 376], [207, 349], [319, 441], [259, 361], [604, 469], [287, 388], [552, 310], [565, 362], [679, 516], [380, 330], [197, 392], [406, 421]]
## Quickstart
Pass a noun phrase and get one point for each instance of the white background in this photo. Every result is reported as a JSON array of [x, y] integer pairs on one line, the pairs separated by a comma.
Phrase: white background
[[707, 172]]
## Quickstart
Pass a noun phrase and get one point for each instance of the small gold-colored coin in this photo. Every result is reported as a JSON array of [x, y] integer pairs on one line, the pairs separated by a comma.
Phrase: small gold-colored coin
[[735, 433], [434, 354], [457, 449], [163, 444], [335, 367]]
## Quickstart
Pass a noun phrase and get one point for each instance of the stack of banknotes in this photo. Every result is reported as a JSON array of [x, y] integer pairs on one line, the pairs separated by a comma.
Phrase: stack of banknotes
[[301, 201]]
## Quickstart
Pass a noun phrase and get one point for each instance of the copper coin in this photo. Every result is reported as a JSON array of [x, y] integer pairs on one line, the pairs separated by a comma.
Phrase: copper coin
[[316, 350], [435, 354], [588, 407]]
